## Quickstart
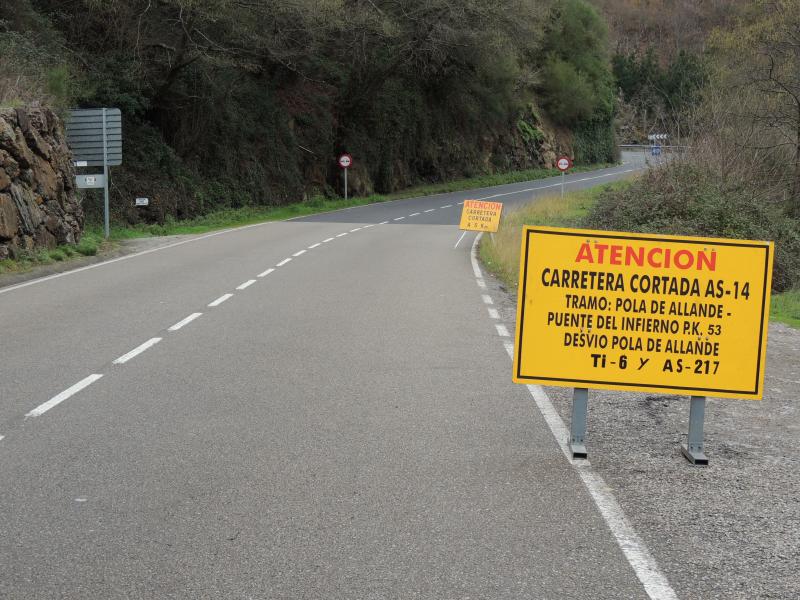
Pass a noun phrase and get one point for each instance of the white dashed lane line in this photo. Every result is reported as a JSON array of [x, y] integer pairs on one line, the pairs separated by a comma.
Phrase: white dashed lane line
[[493, 314], [481, 283], [502, 331], [430, 210], [383, 222], [487, 299], [267, 272], [220, 300], [328, 240], [246, 284], [184, 322], [285, 261], [356, 229], [447, 206], [342, 234], [299, 253], [399, 218], [56, 400], [312, 246], [137, 351], [414, 214]]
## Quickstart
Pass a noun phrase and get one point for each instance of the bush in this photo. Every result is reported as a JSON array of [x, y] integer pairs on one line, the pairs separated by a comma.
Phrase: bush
[[684, 199]]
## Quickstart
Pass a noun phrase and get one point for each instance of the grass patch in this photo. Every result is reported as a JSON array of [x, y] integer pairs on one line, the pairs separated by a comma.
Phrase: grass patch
[[230, 217], [785, 308], [90, 244], [500, 253]]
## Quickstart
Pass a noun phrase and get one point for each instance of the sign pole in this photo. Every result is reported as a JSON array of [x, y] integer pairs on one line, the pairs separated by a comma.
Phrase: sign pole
[[693, 449], [106, 219], [345, 185], [562, 184], [577, 426]]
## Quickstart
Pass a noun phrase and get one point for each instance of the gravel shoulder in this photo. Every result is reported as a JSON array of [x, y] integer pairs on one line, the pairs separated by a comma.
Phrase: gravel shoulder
[[728, 530]]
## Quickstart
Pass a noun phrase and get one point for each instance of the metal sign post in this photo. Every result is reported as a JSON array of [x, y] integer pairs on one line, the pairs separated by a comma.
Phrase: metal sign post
[[577, 426], [564, 164], [693, 449], [345, 161], [95, 138], [106, 217]]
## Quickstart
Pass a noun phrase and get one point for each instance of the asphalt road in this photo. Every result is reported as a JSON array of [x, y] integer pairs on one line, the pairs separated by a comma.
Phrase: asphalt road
[[342, 426]]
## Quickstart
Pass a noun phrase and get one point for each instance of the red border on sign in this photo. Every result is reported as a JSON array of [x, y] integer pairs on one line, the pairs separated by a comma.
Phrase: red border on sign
[[569, 161], [342, 157]]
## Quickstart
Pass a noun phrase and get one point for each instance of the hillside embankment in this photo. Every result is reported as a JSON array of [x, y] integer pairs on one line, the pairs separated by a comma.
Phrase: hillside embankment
[[38, 204]]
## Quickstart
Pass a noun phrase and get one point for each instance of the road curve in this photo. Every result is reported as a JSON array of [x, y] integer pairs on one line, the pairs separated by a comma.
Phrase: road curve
[[316, 408]]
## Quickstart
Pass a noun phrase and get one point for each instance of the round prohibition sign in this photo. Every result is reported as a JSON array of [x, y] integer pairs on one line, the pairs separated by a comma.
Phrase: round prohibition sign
[[345, 160], [564, 163]]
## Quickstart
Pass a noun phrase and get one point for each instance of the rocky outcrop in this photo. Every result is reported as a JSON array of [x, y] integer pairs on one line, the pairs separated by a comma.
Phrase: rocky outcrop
[[38, 204]]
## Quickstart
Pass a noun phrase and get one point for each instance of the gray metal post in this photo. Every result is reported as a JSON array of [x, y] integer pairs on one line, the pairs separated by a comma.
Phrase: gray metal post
[[106, 218], [345, 183], [577, 426], [562, 183], [693, 449]]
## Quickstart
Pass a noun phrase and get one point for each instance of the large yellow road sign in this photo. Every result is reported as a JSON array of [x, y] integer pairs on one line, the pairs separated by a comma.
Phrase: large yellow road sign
[[650, 313], [478, 215]]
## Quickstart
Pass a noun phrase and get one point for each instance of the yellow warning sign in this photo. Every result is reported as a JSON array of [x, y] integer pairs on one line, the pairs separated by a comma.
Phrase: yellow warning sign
[[478, 215], [641, 312]]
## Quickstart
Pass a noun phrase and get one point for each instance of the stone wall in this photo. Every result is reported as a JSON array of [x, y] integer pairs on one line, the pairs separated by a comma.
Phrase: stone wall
[[38, 204]]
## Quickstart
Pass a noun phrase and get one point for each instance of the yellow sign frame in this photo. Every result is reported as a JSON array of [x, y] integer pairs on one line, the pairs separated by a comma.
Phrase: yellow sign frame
[[481, 215], [704, 281]]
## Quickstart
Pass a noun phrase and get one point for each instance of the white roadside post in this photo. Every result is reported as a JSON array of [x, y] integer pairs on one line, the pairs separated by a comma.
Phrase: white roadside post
[[564, 164], [345, 161]]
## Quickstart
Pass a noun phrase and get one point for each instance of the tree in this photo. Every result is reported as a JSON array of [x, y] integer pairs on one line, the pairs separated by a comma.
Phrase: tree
[[761, 66]]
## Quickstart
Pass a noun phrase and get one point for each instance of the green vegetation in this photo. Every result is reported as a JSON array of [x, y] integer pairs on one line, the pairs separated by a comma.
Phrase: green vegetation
[[91, 243], [785, 308], [229, 105]]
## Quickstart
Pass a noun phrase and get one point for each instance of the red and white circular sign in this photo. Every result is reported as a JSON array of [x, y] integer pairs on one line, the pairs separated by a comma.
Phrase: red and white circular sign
[[564, 164], [345, 160]]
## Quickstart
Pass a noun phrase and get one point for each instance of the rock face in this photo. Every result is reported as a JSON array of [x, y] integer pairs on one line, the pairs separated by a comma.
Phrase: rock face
[[38, 204]]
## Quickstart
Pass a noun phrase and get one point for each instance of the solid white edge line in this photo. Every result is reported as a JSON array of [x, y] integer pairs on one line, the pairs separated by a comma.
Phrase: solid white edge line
[[220, 300], [447, 206], [639, 558], [299, 253], [267, 272], [58, 399], [328, 240], [356, 229], [487, 299], [502, 331], [137, 351], [459, 240], [481, 283], [312, 246], [285, 261], [246, 284], [184, 322], [493, 314], [342, 234]]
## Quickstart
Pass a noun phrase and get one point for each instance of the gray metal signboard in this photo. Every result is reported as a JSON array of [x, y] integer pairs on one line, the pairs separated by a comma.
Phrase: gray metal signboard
[[86, 140], [95, 137]]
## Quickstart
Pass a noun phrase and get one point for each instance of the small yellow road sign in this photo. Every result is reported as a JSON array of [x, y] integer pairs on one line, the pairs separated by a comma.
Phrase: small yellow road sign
[[641, 312], [478, 215]]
